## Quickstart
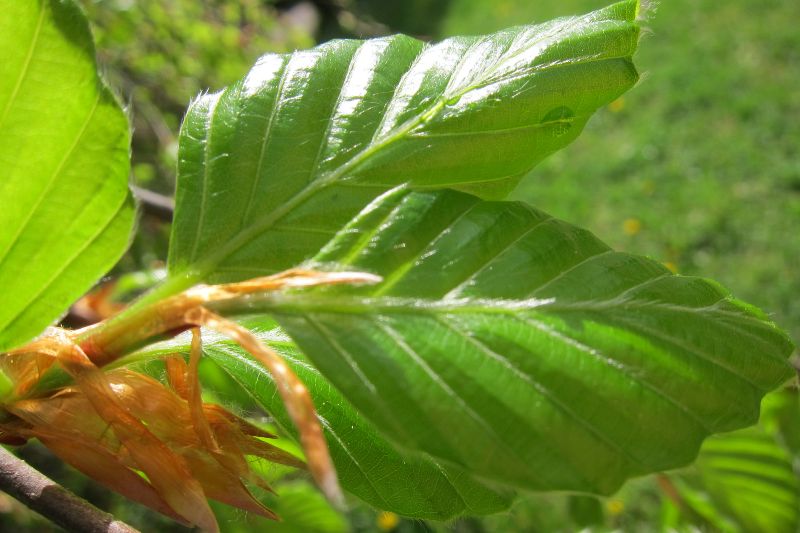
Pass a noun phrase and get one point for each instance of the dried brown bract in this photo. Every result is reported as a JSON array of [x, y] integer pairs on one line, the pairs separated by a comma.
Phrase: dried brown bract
[[157, 443]]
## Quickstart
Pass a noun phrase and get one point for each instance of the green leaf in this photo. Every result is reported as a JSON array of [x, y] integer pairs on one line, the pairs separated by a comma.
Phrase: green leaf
[[272, 166], [780, 417], [302, 508], [368, 466], [697, 508], [299, 504], [525, 350], [750, 478], [66, 210], [585, 511]]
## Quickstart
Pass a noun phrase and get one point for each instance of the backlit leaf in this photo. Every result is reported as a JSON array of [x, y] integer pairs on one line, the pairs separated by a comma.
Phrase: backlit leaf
[[65, 209]]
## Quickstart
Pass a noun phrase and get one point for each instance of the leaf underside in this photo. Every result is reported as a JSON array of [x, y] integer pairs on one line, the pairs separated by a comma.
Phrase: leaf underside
[[523, 349], [368, 465], [66, 210], [271, 167]]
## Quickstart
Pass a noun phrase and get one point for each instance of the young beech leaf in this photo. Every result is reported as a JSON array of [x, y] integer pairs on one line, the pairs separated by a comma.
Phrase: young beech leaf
[[368, 465], [522, 348], [273, 165], [65, 209]]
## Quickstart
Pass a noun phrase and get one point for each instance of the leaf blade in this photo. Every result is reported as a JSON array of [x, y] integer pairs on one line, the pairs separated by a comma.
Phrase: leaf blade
[[67, 211], [524, 349], [282, 159]]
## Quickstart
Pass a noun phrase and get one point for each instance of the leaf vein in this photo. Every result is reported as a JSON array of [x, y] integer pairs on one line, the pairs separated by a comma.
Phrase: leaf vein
[[265, 141], [53, 177], [495, 256]]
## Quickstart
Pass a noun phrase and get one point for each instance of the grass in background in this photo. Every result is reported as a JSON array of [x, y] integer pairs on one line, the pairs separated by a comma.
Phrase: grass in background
[[698, 166]]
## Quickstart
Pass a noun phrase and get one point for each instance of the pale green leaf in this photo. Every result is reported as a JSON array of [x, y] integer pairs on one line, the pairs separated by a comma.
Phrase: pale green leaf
[[65, 209]]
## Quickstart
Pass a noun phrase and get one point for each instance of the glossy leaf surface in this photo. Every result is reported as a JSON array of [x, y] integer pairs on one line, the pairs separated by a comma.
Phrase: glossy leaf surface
[[272, 166], [65, 209], [524, 349], [368, 466]]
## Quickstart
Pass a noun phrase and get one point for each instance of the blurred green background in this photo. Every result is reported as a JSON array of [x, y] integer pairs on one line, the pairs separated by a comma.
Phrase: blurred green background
[[698, 167]]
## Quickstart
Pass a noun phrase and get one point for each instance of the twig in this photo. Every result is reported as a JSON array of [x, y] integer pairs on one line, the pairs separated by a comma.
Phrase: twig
[[53, 501], [154, 203]]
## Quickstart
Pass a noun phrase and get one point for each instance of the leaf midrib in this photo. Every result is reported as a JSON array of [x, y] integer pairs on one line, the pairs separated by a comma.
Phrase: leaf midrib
[[303, 302]]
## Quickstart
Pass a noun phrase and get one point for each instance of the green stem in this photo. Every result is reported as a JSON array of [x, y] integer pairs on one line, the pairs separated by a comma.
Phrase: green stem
[[140, 324], [144, 319]]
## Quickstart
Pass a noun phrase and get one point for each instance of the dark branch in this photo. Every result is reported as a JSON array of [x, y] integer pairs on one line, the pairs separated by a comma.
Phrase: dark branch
[[52, 501], [155, 204]]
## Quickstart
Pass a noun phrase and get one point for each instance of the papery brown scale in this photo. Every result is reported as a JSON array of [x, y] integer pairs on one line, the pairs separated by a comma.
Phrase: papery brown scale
[[165, 470], [233, 433], [116, 424], [107, 469], [91, 444], [176, 375], [218, 416], [68, 426], [224, 484], [70, 412], [194, 398], [250, 446], [163, 412], [295, 396], [219, 470], [25, 369]]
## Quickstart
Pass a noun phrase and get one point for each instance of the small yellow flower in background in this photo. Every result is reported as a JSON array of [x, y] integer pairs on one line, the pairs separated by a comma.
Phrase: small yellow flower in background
[[632, 226], [387, 521], [617, 105], [671, 266], [504, 9], [615, 507]]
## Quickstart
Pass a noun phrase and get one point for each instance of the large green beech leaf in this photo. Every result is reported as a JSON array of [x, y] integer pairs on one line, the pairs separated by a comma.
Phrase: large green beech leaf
[[272, 166], [65, 209], [525, 350], [368, 465]]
